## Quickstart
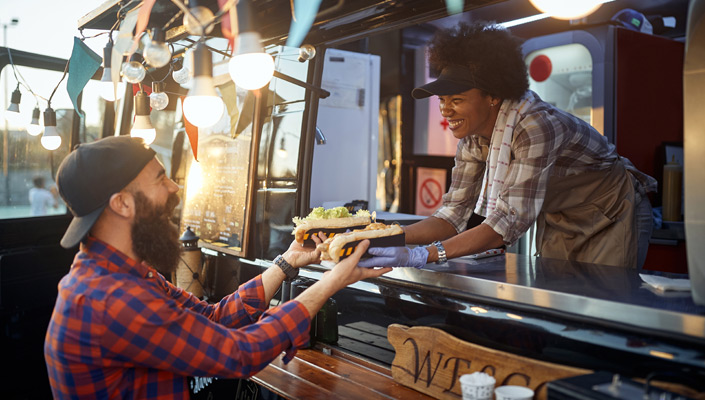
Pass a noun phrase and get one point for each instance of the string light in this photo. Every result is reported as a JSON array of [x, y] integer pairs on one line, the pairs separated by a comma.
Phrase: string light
[[35, 128], [158, 100], [250, 68], [12, 114], [203, 107], [50, 139], [143, 127], [133, 71], [157, 53], [107, 90], [181, 73], [198, 21]]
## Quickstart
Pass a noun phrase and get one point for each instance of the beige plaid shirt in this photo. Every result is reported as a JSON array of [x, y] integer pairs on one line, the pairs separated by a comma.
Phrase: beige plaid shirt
[[547, 143]]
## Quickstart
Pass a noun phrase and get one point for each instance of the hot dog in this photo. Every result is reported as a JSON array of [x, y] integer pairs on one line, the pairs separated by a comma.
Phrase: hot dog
[[342, 245], [331, 222]]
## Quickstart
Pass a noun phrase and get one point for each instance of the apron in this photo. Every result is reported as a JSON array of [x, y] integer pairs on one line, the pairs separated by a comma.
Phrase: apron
[[590, 218]]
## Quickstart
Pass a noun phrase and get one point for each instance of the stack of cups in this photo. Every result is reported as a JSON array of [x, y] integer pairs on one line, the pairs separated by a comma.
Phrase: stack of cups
[[511, 392], [477, 386]]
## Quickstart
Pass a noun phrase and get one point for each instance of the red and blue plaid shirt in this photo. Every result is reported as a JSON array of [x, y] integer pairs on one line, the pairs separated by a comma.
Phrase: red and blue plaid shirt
[[120, 330]]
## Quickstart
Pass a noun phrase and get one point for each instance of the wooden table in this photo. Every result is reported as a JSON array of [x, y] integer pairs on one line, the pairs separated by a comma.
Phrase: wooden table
[[326, 373]]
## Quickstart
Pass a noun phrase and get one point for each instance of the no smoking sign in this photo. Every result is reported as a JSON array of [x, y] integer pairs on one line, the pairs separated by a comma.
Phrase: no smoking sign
[[430, 187]]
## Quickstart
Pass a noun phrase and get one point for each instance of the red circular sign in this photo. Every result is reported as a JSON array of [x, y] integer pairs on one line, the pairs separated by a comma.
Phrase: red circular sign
[[430, 193], [540, 68]]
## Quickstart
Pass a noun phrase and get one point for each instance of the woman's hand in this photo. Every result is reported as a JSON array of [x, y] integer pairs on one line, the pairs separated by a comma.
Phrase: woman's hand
[[347, 271], [299, 255], [396, 257]]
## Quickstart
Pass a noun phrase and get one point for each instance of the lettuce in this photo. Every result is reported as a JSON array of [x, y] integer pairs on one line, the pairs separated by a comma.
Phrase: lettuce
[[322, 213]]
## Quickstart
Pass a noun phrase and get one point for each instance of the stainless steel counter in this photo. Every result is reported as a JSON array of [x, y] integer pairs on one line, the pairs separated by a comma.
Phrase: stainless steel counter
[[610, 295]]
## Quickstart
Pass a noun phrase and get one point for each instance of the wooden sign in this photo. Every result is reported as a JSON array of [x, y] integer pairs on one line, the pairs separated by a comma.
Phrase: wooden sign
[[431, 361]]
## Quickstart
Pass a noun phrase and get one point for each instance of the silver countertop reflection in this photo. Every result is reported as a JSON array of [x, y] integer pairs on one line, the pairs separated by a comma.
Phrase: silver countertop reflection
[[610, 295]]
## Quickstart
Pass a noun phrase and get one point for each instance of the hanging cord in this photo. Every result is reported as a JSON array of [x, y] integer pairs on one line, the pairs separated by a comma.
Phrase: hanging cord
[[66, 70], [20, 79]]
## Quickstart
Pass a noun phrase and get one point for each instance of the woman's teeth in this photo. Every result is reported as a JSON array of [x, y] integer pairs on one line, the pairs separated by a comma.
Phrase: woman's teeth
[[455, 124]]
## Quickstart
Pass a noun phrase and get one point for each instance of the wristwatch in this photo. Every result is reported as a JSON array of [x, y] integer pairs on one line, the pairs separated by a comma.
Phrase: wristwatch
[[442, 259], [288, 270]]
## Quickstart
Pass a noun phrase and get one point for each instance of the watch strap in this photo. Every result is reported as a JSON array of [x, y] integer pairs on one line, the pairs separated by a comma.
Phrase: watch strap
[[288, 270], [442, 258]]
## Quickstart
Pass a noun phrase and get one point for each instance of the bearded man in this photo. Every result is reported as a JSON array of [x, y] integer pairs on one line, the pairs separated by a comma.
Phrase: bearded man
[[119, 329]]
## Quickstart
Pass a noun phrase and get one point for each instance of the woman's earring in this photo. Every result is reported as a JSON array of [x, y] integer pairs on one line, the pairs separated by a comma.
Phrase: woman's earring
[[491, 104]]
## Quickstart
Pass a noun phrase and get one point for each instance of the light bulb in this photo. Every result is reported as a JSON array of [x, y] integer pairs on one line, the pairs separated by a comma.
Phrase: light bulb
[[203, 110], [143, 128], [562, 9], [133, 71], [35, 128], [50, 139], [198, 18], [251, 68], [157, 53], [203, 107], [306, 52], [158, 101], [181, 76], [12, 114]]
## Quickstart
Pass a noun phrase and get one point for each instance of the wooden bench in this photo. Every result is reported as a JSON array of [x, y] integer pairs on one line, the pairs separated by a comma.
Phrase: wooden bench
[[325, 373]]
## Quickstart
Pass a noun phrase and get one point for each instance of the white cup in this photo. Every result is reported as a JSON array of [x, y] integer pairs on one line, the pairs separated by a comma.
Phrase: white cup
[[510, 392], [477, 386]]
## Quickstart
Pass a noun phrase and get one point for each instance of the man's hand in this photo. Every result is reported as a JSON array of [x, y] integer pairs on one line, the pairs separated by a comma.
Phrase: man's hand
[[396, 257], [347, 271], [299, 255], [343, 274]]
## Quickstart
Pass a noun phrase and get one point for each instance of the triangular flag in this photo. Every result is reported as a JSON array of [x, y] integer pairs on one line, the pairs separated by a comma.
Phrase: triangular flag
[[83, 64], [192, 133], [228, 25], [304, 14], [142, 20], [454, 6]]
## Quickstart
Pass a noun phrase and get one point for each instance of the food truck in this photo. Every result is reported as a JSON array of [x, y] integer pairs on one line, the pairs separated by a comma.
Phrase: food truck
[[334, 125]]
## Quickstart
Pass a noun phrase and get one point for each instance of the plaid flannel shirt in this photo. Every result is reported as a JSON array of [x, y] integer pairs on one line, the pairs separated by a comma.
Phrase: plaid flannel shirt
[[120, 330], [546, 143]]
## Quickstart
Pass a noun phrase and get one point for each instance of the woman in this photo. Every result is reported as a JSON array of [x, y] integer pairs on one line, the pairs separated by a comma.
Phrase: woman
[[519, 161]]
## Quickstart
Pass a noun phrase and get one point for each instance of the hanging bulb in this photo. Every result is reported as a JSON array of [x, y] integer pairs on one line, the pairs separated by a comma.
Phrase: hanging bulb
[[35, 128], [197, 18], [143, 127], [203, 107], [157, 53], [107, 89], [158, 100], [12, 114], [250, 68], [562, 9], [282, 150], [50, 139], [133, 71], [306, 52], [181, 74]]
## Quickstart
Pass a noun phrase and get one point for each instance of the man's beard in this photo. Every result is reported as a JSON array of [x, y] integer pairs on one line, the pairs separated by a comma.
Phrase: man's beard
[[155, 240]]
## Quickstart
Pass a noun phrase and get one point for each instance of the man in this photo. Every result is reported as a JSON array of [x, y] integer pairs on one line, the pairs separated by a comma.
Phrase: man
[[40, 199], [119, 329]]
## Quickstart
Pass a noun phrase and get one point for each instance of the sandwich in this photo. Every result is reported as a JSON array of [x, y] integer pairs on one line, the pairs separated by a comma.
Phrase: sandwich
[[331, 222], [342, 245]]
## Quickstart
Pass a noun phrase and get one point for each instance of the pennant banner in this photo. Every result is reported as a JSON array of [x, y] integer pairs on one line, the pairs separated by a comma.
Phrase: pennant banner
[[83, 64], [304, 14], [191, 132], [454, 6]]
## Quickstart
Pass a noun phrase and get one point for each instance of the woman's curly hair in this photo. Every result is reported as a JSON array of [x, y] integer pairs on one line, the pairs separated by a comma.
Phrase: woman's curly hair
[[490, 51]]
